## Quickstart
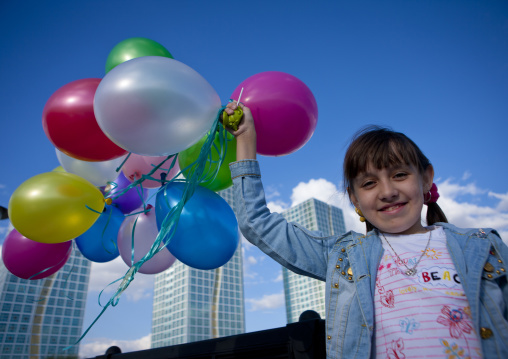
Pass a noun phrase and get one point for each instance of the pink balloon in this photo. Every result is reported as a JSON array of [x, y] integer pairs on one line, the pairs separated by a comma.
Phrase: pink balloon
[[284, 109], [145, 233], [25, 258], [137, 165]]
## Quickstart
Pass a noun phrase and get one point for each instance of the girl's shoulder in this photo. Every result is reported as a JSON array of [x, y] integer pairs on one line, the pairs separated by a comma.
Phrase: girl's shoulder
[[353, 236], [474, 236], [474, 232]]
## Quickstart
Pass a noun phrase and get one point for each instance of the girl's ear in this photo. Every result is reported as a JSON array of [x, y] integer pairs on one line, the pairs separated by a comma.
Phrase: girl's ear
[[352, 197], [428, 178]]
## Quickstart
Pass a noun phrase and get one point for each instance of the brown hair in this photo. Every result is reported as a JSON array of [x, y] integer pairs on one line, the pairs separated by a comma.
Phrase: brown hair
[[383, 148]]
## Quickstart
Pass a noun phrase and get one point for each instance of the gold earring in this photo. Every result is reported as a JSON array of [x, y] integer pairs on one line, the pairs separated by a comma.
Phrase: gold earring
[[359, 212]]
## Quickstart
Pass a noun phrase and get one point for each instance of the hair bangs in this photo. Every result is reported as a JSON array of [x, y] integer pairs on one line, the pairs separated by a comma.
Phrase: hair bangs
[[380, 148]]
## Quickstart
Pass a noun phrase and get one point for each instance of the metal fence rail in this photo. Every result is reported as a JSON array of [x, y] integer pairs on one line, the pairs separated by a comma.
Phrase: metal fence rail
[[302, 340]]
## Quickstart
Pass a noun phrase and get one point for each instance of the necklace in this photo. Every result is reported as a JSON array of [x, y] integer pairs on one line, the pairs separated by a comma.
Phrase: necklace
[[410, 271]]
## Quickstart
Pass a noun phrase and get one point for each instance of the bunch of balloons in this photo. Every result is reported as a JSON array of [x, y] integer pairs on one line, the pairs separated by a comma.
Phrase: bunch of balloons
[[151, 122]]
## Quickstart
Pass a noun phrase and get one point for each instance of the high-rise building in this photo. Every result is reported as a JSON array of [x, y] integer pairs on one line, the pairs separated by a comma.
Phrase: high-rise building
[[304, 293], [191, 304], [39, 318]]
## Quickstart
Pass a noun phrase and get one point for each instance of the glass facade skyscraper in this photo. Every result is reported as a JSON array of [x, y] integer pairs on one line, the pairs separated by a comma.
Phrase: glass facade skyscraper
[[304, 293], [191, 304], [39, 318]]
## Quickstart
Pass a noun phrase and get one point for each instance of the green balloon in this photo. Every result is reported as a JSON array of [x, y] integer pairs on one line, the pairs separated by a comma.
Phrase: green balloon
[[132, 48], [223, 178]]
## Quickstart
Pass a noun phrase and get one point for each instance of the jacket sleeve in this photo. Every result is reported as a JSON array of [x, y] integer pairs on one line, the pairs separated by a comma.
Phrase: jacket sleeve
[[502, 249], [290, 244]]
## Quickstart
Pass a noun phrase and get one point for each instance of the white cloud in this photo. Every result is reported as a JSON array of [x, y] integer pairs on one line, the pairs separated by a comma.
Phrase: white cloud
[[466, 175], [271, 192], [327, 192], [246, 245], [268, 301], [458, 201], [98, 346], [4, 230], [320, 189], [277, 206], [247, 263], [279, 277], [467, 214], [503, 197], [103, 274], [454, 190]]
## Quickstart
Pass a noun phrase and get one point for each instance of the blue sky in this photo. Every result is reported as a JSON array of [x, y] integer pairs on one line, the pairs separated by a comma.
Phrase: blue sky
[[435, 70]]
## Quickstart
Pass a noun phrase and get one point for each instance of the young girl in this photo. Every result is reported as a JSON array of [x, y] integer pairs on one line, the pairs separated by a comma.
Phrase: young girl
[[403, 290]]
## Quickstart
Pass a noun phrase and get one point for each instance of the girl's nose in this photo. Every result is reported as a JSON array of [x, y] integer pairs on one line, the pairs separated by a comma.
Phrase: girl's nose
[[388, 191]]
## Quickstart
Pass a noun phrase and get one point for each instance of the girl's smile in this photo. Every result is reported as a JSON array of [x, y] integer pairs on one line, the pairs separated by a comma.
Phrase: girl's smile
[[391, 199], [391, 208]]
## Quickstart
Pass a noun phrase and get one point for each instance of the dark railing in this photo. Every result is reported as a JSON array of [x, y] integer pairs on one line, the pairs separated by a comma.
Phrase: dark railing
[[302, 340]]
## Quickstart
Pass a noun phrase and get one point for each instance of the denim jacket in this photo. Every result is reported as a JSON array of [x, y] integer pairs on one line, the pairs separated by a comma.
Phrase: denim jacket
[[479, 256]]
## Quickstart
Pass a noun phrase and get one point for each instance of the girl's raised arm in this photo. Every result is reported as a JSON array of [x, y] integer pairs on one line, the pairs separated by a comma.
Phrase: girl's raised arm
[[246, 133]]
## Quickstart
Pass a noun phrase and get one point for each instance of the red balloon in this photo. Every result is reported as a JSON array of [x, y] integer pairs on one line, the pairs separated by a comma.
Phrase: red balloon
[[69, 122], [284, 109], [27, 259]]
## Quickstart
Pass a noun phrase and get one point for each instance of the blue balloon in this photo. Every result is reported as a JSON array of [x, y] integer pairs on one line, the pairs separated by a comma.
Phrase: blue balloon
[[207, 233], [98, 243]]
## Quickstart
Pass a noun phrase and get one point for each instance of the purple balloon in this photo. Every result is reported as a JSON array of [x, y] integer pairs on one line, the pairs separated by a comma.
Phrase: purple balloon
[[130, 200], [25, 258], [145, 233]]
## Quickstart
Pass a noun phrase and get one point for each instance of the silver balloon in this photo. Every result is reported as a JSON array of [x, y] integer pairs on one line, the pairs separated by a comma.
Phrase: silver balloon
[[97, 173], [155, 106]]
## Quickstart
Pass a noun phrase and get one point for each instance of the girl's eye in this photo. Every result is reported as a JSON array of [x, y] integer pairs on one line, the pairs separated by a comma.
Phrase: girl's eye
[[367, 184], [400, 175]]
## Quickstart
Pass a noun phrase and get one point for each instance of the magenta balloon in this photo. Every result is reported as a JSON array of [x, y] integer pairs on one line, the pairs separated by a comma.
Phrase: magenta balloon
[[129, 200], [144, 236], [284, 109], [137, 165], [25, 258]]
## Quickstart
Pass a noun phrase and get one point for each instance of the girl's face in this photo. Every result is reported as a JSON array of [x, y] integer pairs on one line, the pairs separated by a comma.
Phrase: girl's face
[[391, 199]]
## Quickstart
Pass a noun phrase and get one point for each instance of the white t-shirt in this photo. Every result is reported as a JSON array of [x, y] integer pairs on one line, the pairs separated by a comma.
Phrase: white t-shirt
[[426, 315]]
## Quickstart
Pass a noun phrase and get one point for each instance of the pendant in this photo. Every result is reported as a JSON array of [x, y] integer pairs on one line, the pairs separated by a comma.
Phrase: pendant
[[411, 272]]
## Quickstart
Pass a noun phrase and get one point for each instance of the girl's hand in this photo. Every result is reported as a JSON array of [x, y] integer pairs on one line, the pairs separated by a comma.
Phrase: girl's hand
[[246, 124], [246, 133]]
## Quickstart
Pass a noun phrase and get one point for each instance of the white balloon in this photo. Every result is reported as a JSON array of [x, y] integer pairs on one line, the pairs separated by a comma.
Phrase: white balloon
[[155, 106], [97, 173]]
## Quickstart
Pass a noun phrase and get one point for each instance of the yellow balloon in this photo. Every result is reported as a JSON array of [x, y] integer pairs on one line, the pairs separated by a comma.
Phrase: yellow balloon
[[52, 207], [59, 169]]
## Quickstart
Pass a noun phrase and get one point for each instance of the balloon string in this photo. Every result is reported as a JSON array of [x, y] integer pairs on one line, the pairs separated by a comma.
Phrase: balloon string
[[123, 162], [132, 240], [104, 241], [143, 177], [65, 258], [170, 222], [91, 209]]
